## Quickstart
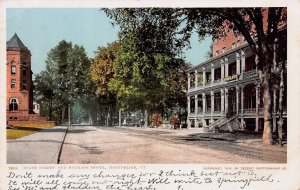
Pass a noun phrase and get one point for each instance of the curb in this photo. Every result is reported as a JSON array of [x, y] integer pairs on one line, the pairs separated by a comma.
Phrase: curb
[[61, 146]]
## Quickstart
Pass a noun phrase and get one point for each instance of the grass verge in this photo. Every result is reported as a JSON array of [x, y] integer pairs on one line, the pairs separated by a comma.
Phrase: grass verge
[[25, 129], [18, 133]]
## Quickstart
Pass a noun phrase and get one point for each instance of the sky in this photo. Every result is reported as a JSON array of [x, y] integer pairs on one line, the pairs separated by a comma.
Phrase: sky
[[40, 29]]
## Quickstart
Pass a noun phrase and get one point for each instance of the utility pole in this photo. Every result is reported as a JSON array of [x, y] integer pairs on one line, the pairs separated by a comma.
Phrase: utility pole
[[69, 114], [120, 118], [146, 118]]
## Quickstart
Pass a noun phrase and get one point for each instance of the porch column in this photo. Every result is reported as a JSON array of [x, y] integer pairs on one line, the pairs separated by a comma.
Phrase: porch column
[[189, 104], [212, 73], [237, 90], [196, 78], [189, 81], [204, 76], [226, 67], [196, 104], [256, 124], [222, 70], [212, 103], [274, 124], [222, 102], [196, 123], [238, 63], [242, 100], [188, 123], [242, 62], [189, 112], [243, 125], [226, 101], [203, 103]]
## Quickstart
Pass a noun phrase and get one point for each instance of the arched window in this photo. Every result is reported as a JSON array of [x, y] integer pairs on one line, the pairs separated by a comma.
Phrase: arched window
[[13, 104]]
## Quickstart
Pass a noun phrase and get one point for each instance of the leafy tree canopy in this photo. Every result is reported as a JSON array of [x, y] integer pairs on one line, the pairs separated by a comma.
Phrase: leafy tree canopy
[[65, 77], [143, 64]]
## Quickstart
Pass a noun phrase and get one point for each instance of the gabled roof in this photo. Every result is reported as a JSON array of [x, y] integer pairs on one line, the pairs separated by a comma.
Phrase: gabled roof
[[15, 42]]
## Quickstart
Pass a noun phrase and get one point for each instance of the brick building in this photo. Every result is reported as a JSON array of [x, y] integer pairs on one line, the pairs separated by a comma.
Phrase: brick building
[[19, 91], [225, 91]]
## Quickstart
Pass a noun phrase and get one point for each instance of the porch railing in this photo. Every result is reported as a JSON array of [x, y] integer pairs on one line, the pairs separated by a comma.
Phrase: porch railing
[[249, 73]]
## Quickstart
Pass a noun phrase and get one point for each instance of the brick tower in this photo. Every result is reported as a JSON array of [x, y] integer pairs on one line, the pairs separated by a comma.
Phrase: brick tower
[[19, 89]]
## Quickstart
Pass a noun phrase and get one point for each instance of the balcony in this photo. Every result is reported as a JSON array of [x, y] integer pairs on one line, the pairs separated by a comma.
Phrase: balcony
[[208, 111], [217, 81], [251, 73], [200, 111], [250, 110]]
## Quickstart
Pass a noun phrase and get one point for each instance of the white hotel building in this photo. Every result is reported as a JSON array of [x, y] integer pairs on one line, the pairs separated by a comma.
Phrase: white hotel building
[[224, 91]]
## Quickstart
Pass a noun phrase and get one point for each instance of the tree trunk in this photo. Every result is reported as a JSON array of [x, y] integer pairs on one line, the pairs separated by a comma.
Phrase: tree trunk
[[63, 114], [267, 135], [280, 109], [108, 117]]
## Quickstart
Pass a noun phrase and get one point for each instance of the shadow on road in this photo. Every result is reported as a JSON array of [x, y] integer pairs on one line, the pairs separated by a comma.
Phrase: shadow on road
[[79, 130]]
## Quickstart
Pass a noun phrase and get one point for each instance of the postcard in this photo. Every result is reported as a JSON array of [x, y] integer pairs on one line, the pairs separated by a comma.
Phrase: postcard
[[145, 95]]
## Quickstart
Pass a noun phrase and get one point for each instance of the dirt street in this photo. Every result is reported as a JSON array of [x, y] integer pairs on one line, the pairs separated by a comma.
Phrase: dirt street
[[100, 145]]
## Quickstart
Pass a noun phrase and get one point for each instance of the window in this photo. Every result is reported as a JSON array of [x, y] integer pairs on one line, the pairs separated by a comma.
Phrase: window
[[232, 69], [24, 85], [208, 103], [218, 73], [208, 77], [13, 83], [192, 104], [217, 102], [13, 69], [250, 63], [200, 103], [24, 71], [224, 49], [13, 104]]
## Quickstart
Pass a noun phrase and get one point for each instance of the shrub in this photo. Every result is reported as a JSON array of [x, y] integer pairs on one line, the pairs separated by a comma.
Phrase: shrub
[[156, 120], [174, 121]]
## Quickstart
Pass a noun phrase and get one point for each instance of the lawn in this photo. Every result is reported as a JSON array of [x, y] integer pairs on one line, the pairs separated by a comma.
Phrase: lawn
[[18, 133], [24, 130]]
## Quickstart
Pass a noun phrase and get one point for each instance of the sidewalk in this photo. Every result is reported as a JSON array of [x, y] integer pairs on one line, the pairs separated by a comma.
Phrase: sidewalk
[[40, 148]]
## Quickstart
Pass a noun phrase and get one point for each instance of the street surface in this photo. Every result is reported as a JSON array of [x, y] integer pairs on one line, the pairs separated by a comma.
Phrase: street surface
[[129, 145]]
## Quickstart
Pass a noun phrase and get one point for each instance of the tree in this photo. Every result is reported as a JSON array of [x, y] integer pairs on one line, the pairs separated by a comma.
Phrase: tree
[[44, 88], [65, 78], [102, 72], [143, 64], [179, 23]]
